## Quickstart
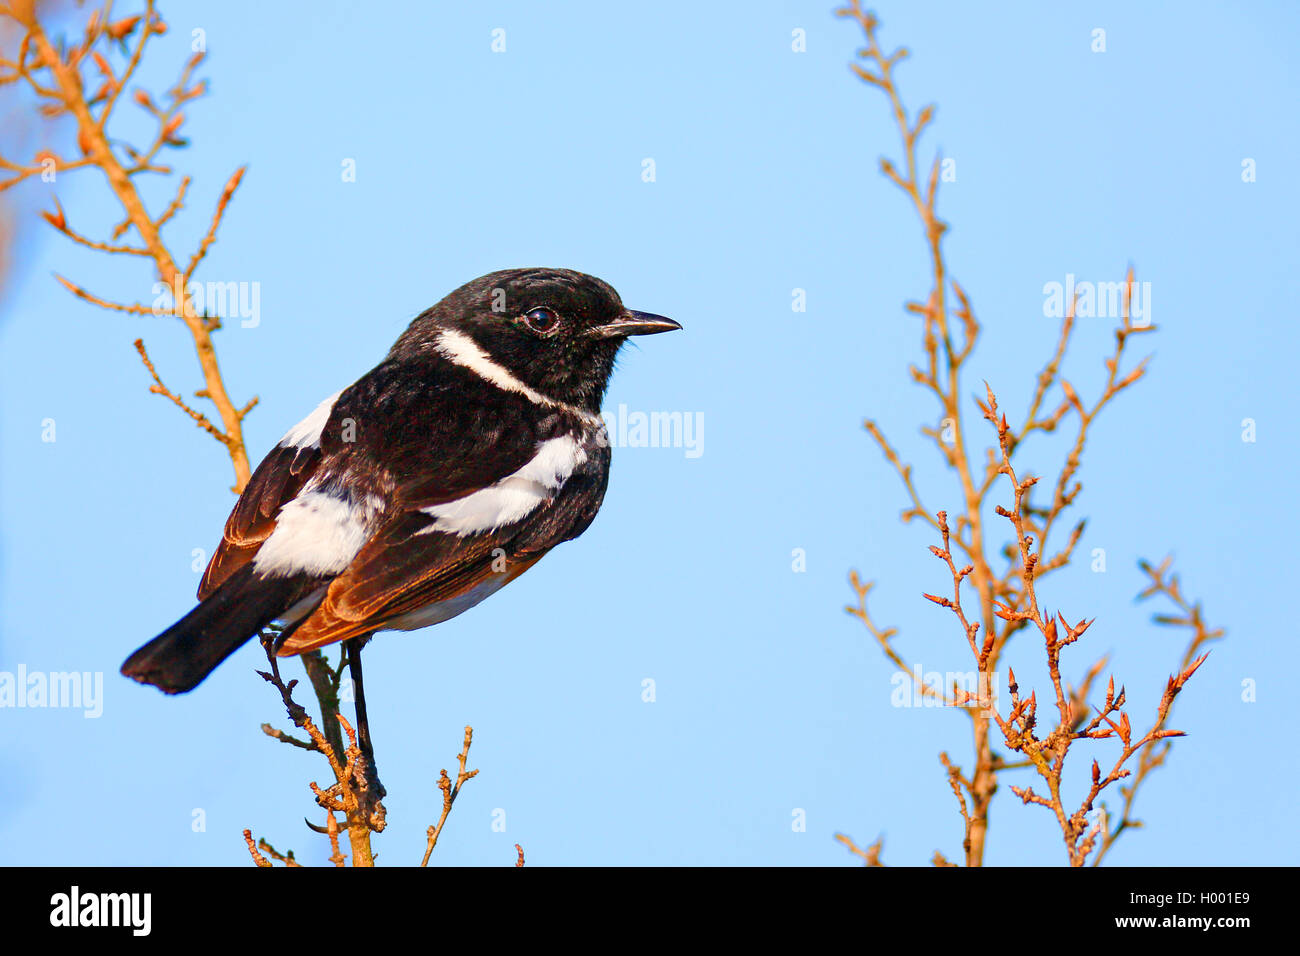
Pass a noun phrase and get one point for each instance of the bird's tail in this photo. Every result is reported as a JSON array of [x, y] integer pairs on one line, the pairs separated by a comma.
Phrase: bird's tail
[[180, 657]]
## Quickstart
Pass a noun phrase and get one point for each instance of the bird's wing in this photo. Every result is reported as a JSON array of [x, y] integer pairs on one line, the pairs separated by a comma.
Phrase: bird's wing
[[436, 558], [277, 480], [414, 419]]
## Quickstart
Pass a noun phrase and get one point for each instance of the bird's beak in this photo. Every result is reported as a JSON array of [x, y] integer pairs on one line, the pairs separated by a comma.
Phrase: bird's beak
[[635, 323]]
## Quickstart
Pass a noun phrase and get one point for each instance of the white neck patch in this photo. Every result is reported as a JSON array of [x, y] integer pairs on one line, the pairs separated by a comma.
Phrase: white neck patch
[[459, 349]]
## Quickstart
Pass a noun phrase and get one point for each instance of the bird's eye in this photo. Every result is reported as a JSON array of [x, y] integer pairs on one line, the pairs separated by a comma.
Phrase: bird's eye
[[541, 320]]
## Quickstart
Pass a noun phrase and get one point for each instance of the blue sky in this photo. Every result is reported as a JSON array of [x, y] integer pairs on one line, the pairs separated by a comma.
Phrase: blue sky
[[769, 699]]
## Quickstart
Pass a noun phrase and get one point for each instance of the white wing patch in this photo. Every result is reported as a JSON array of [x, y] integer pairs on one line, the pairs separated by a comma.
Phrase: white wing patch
[[512, 498], [316, 533], [306, 434]]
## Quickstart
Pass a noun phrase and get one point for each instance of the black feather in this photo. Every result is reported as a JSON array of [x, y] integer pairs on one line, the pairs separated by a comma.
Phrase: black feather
[[181, 656]]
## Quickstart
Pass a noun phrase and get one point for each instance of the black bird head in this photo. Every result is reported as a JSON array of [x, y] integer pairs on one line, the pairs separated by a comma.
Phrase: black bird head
[[555, 330]]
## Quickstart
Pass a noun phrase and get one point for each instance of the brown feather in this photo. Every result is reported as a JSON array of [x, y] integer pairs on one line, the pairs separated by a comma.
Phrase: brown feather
[[363, 599]]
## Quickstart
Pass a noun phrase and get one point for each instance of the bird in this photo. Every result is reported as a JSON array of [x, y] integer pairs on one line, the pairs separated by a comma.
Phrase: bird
[[442, 474]]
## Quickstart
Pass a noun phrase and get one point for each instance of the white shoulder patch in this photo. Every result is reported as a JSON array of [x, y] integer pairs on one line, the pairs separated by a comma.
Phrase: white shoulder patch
[[514, 497], [306, 434], [316, 533]]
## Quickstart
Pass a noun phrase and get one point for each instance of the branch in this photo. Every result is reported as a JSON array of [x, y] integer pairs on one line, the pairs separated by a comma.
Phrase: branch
[[449, 794], [349, 795], [65, 92], [1155, 751]]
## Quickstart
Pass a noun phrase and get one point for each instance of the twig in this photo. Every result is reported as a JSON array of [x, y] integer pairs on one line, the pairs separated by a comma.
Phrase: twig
[[449, 794], [158, 388], [211, 236], [133, 309], [253, 851], [870, 855], [1153, 754]]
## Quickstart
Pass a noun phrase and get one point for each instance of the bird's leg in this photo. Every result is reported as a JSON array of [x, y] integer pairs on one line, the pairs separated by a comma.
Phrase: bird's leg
[[370, 790]]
